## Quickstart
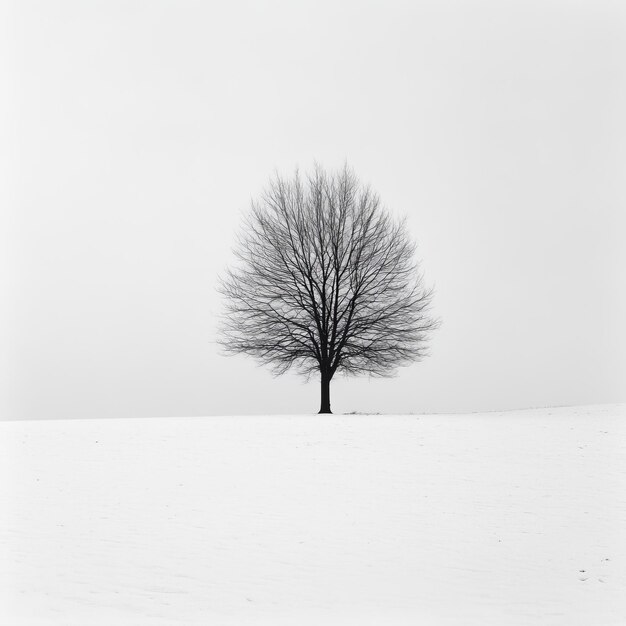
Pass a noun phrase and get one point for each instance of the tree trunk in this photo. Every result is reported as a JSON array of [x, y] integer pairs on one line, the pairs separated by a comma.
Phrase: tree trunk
[[325, 403]]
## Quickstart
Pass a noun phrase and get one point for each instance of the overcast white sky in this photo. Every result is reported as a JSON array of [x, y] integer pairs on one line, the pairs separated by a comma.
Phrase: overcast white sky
[[135, 133]]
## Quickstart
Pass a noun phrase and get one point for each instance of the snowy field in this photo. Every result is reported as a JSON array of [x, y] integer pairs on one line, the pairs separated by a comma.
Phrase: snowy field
[[483, 519]]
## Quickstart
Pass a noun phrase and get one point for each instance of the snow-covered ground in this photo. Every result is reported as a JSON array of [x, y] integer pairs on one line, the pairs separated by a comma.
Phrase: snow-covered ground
[[486, 519]]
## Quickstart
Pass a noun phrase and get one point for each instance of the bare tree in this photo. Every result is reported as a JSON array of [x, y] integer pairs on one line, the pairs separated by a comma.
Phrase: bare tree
[[326, 282]]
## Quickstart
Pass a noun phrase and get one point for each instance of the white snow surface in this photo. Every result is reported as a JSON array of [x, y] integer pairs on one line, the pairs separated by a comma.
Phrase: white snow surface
[[500, 518]]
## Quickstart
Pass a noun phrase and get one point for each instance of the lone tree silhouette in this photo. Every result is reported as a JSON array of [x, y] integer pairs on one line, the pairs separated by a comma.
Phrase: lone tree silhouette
[[326, 281]]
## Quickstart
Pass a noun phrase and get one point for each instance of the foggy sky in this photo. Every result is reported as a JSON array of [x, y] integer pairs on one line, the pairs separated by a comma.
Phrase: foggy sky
[[134, 135]]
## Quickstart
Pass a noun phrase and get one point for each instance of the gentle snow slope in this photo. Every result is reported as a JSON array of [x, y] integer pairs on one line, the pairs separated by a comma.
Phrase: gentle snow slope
[[503, 518]]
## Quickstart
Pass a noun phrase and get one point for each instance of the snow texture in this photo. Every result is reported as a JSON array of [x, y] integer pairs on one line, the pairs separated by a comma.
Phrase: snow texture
[[502, 518]]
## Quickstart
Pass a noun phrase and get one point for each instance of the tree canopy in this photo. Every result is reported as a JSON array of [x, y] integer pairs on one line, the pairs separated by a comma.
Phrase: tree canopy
[[326, 281]]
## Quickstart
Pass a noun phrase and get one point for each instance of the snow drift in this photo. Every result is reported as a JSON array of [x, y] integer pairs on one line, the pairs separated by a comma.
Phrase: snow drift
[[502, 518]]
